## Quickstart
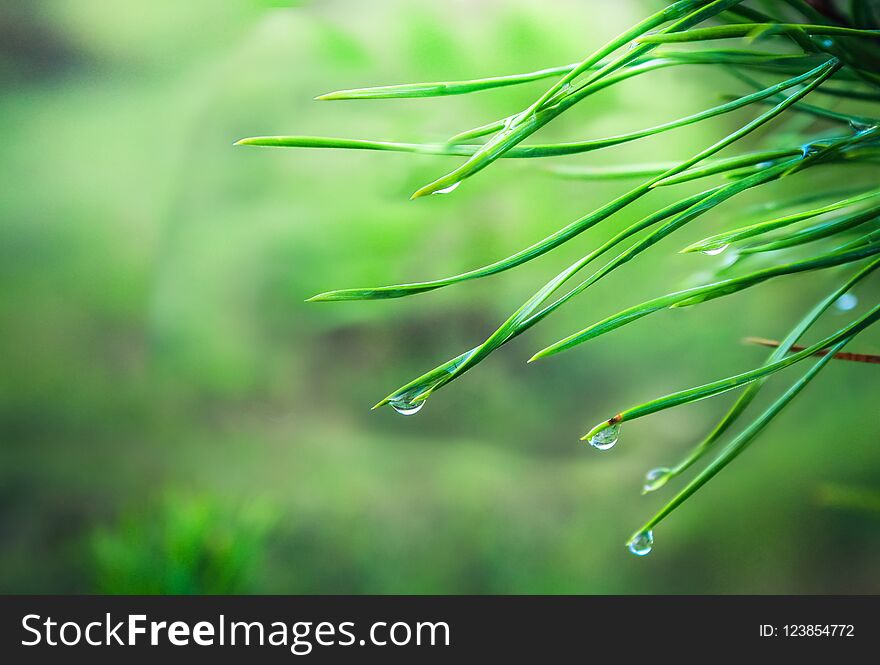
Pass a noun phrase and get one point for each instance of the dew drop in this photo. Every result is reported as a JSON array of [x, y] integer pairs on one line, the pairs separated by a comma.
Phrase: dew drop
[[606, 437], [827, 43], [446, 190], [729, 259], [846, 302], [406, 408], [715, 251], [641, 543], [810, 149], [656, 478]]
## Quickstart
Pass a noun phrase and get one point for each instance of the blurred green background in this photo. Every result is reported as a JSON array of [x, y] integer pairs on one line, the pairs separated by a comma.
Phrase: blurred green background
[[176, 419]]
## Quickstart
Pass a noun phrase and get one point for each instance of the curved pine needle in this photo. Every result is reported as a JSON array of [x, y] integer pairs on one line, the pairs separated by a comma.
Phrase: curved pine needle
[[712, 167], [528, 151], [528, 314], [444, 88], [742, 58], [761, 159], [698, 294], [524, 125], [615, 172], [742, 441], [470, 150], [681, 213], [357, 144], [578, 226], [759, 60], [846, 72], [816, 231], [755, 30], [867, 239], [726, 238], [751, 391], [733, 382], [556, 239], [482, 130], [674, 11], [422, 387], [785, 203], [825, 114], [669, 13], [603, 69]]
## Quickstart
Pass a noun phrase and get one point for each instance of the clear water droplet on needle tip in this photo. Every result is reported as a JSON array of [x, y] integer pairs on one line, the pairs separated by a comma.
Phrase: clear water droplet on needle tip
[[642, 543], [606, 437]]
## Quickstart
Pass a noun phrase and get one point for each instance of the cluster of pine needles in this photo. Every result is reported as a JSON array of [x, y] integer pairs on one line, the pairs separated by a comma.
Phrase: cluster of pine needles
[[819, 51]]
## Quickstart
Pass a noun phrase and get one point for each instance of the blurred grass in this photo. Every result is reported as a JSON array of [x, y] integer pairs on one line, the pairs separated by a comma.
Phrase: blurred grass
[[155, 337]]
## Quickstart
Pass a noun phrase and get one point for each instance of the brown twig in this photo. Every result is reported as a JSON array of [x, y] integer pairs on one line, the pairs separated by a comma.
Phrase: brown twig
[[842, 355]]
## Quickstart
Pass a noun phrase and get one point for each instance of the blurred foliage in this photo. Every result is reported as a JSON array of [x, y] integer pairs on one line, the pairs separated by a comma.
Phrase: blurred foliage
[[850, 498], [183, 545], [155, 337]]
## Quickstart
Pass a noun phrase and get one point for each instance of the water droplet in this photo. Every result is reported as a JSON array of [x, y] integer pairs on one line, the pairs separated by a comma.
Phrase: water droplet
[[827, 43], [446, 190], [405, 407], [656, 478], [641, 543], [846, 302], [715, 251], [810, 149], [606, 437], [730, 259]]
